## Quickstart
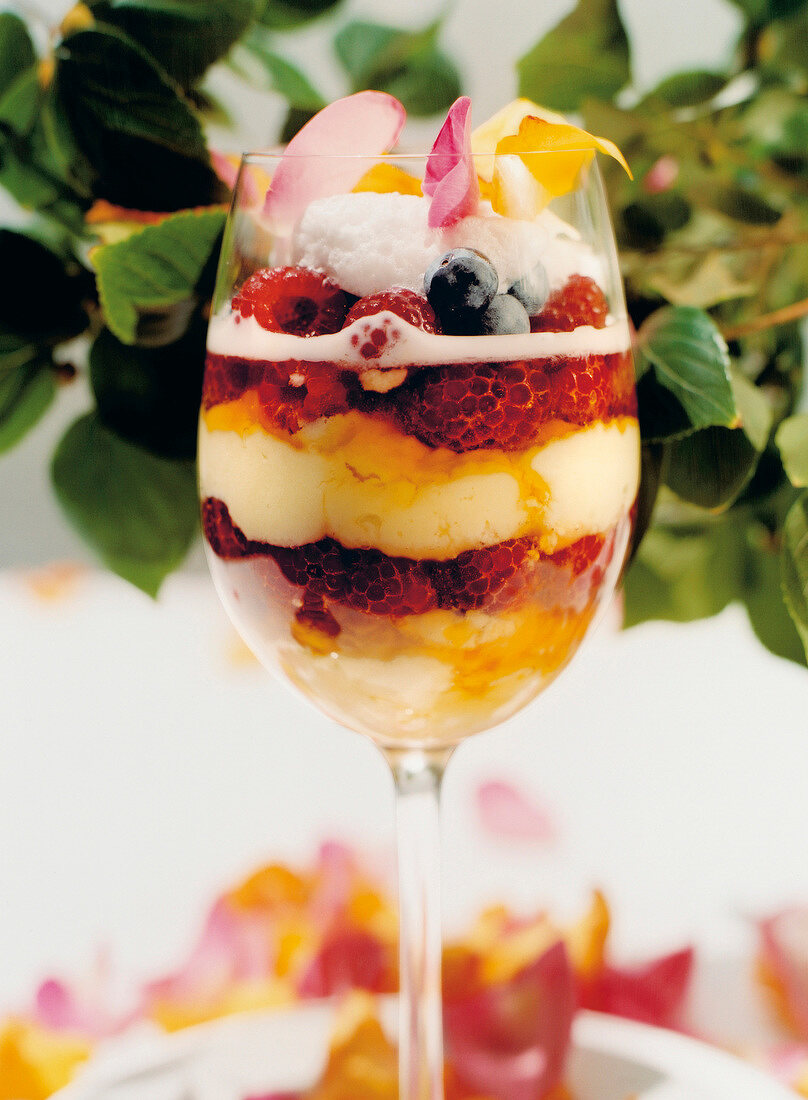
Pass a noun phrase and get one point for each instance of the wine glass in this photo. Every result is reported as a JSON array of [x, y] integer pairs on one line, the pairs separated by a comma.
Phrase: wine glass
[[418, 461]]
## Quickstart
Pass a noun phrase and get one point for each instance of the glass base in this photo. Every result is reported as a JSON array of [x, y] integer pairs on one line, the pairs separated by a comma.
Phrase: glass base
[[260, 1053]]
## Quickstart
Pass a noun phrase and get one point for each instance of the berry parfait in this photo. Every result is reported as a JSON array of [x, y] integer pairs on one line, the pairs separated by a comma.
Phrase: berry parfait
[[418, 446]]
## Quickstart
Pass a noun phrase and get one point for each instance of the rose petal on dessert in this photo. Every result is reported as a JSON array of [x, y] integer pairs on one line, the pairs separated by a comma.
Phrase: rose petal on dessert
[[555, 154], [783, 964], [653, 992], [506, 812], [327, 156], [509, 1041], [451, 179]]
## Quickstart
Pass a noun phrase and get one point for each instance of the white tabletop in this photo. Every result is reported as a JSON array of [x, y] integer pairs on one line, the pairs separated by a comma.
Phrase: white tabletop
[[143, 768]]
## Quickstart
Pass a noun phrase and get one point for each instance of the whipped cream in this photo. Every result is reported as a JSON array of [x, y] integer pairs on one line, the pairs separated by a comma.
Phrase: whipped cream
[[368, 242], [406, 345]]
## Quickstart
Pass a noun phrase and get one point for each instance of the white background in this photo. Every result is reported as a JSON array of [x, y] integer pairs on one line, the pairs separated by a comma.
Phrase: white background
[[142, 769]]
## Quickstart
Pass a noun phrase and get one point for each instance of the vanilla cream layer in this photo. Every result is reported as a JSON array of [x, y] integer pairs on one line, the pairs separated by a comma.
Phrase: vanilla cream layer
[[230, 334], [366, 485]]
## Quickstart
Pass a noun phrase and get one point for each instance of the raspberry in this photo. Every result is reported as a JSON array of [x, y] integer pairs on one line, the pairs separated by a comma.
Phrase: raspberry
[[411, 307], [226, 540], [579, 302], [364, 580], [227, 378], [476, 577], [296, 300], [371, 582], [465, 406]]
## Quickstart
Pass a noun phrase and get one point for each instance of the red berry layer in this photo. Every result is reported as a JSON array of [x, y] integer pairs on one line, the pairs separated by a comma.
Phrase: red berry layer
[[368, 580], [466, 406], [463, 406]]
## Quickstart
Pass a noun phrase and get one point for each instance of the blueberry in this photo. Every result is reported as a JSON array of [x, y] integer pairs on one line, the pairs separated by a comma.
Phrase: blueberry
[[532, 290], [505, 316], [458, 285]]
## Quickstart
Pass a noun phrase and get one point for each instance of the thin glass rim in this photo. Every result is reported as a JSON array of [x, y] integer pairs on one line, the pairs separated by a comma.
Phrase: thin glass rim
[[256, 155]]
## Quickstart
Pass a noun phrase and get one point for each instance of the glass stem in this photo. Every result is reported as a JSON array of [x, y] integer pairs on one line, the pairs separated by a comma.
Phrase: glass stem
[[418, 776]]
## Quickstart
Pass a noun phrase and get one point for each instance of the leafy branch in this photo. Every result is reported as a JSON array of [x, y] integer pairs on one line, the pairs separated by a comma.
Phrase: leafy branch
[[714, 244]]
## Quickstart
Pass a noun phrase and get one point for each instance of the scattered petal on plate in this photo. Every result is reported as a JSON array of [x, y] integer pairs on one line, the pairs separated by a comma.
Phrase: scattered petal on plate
[[652, 992], [508, 813], [339, 139], [510, 1041], [34, 1062], [783, 965], [451, 178]]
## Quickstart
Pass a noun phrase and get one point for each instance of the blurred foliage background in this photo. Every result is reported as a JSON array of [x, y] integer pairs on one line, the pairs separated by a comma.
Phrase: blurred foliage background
[[104, 140]]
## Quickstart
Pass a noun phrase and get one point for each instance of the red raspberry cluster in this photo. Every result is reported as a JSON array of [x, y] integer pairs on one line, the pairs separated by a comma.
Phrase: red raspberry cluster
[[579, 302], [465, 406], [368, 580], [295, 300]]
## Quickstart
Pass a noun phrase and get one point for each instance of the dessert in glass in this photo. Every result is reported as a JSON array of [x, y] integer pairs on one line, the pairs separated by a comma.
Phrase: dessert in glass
[[418, 446]]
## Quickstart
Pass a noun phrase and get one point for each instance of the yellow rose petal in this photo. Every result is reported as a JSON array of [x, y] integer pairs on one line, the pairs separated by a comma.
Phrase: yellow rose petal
[[504, 123], [555, 154], [389, 177]]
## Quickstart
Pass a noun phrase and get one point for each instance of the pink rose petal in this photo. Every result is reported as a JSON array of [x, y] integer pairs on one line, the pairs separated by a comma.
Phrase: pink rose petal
[[510, 1041], [653, 992], [508, 813], [233, 948], [784, 954], [354, 128], [349, 959], [451, 179]]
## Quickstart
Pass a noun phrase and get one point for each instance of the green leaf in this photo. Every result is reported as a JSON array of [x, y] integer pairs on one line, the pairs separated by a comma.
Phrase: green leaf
[[763, 596], [131, 123], [154, 270], [20, 101], [406, 64], [151, 396], [284, 15], [586, 54], [25, 396], [792, 442], [137, 511], [711, 467], [427, 84], [644, 223], [285, 78], [17, 53], [185, 37], [743, 205], [690, 358], [43, 301], [794, 565], [682, 575], [760, 12], [687, 89]]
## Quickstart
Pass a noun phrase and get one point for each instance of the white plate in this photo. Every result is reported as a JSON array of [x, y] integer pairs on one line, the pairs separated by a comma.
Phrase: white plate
[[230, 1059]]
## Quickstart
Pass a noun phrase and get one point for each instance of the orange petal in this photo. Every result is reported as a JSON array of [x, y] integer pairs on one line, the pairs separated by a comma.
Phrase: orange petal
[[555, 156], [34, 1063], [504, 123], [386, 178], [586, 940]]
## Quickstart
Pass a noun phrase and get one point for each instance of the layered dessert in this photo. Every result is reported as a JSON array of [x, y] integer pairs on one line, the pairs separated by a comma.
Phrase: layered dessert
[[418, 457]]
